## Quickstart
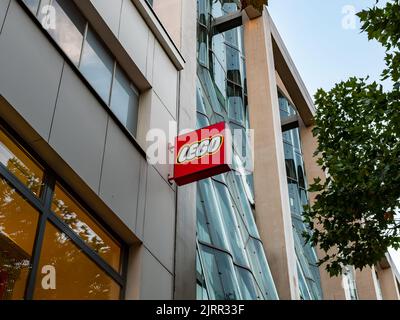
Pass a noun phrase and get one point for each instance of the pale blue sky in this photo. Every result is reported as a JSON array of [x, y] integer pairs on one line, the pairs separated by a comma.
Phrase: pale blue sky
[[323, 51]]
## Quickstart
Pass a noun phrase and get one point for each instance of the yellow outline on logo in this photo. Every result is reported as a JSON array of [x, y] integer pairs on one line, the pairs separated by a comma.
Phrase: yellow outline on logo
[[199, 142]]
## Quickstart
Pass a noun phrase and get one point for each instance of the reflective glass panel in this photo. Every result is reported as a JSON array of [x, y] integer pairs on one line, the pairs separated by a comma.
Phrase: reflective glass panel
[[213, 215], [97, 65], [220, 274], [202, 43], [261, 269], [203, 233], [125, 101], [69, 28], [248, 287], [75, 275], [235, 102], [72, 213], [18, 223], [231, 225], [233, 60], [246, 211], [20, 163]]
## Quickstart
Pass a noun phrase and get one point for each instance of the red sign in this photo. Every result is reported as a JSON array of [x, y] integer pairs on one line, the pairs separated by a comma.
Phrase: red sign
[[202, 154]]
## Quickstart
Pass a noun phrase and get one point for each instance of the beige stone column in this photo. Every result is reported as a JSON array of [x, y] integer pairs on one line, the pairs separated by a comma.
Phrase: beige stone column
[[273, 216], [387, 281], [332, 287], [365, 284]]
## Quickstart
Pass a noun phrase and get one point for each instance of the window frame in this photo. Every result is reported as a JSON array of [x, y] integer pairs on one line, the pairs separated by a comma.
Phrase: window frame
[[42, 203]]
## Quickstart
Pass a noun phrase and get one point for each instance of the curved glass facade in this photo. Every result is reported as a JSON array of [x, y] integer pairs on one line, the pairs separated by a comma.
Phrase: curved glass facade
[[231, 263], [308, 271]]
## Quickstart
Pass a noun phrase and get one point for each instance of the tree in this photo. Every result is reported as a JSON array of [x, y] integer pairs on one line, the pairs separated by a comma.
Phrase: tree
[[357, 125]]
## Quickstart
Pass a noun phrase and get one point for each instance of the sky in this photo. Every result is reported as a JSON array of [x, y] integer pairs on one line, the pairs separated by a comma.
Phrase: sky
[[325, 42]]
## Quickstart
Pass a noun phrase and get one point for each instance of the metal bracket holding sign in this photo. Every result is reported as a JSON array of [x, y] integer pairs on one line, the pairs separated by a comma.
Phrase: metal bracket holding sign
[[201, 154]]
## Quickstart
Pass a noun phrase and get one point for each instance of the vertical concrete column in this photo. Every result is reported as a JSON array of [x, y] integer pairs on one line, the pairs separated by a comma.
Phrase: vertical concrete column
[[179, 17], [366, 284], [332, 287], [273, 216], [387, 281]]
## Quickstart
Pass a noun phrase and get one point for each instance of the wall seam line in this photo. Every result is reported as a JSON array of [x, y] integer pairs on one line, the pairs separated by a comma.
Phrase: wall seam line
[[158, 260], [104, 154], [56, 102], [5, 16]]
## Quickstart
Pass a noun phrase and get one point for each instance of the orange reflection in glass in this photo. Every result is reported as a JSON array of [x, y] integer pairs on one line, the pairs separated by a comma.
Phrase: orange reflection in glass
[[86, 227], [20, 163], [18, 223], [74, 275]]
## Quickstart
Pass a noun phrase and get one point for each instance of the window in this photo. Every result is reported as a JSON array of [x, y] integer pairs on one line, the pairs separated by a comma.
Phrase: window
[[20, 164], [70, 28], [85, 49], [97, 65], [76, 217], [33, 203], [235, 103], [220, 274], [89, 283], [18, 225], [125, 101]]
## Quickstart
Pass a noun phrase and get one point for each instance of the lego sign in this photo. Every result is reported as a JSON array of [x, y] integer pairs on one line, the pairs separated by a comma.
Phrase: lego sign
[[202, 154]]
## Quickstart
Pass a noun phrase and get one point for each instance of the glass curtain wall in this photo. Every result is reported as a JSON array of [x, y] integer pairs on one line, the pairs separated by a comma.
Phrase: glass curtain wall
[[308, 271], [231, 263]]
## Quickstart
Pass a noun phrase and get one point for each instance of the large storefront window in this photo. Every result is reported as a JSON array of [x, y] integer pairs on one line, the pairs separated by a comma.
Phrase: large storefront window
[[51, 247]]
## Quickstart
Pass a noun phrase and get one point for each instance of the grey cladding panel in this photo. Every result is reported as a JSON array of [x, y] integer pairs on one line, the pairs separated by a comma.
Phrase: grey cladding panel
[[110, 11], [3, 10], [119, 185], [156, 282], [79, 128], [30, 69], [159, 223]]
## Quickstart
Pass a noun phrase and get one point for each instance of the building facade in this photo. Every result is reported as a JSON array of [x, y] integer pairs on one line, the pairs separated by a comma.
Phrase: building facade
[[85, 214]]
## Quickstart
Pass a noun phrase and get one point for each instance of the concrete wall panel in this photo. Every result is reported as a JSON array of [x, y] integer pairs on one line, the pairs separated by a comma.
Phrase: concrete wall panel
[[30, 69], [79, 128], [165, 79], [134, 34], [156, 281], [3, 10], [159, 224], [119, 186], [110, 11]]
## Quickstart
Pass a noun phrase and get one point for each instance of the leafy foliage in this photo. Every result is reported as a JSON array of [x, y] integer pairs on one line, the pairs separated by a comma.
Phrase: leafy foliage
[[383, 25], [358, 128]]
